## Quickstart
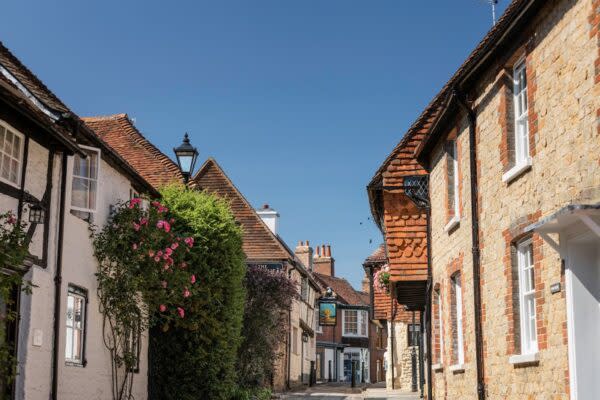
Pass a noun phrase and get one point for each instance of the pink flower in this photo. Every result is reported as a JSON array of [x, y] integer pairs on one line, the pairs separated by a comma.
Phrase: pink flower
[[172, 220], [160, 224], [136, 227], [181, 312], [135, 246], [162, 308], [193, 279], [144, 221], [168, 251], [151, 253], [183, 265], [11, 219], [157, 259], [134, 202], [167, 226], [156, 204], [166, 267], [164, 284], [189, 241], [159, 253], [186, 293], [165, 257], [174, 245]]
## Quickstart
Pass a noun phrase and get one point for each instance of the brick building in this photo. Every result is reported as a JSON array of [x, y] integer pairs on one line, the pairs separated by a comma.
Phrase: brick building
[[396, 347], [511, 145]]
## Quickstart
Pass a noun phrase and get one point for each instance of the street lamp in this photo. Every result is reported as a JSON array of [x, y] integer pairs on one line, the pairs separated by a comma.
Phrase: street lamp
[[186, 158]]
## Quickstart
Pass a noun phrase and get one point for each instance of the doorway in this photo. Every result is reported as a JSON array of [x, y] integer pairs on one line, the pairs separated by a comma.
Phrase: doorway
[[583, 310]]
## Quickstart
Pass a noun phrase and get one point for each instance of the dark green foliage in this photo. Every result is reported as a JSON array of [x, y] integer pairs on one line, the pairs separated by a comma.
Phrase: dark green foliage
[[199, 363], [269, 298]]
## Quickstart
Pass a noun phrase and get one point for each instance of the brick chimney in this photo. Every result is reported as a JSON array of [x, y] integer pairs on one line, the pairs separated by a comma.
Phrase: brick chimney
[[305, 254], [323, 262], [366, 284]]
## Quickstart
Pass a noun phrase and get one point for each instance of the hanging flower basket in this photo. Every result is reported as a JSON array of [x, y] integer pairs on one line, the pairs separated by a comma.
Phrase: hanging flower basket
[[381, 280]]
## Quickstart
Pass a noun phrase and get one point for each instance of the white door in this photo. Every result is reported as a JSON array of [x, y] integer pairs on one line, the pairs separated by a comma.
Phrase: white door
[[583, 296]]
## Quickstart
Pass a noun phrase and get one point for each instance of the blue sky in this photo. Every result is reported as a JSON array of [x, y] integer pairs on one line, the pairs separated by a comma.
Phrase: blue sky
[[299, 101]]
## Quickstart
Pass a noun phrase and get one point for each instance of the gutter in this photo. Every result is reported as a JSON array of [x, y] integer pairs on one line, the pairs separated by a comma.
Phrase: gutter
[[58, 277], [472, 117]]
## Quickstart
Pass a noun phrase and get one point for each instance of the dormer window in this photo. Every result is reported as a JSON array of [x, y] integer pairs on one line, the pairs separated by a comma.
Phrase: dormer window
[[11, 154]]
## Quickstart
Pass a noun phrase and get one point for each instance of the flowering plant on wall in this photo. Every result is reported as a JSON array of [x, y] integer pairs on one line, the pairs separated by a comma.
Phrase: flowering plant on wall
[[13, 250], [144, 280], [381, 280]]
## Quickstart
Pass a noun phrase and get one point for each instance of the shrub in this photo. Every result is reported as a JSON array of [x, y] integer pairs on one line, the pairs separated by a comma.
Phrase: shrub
[[269, 296], [198, 362]]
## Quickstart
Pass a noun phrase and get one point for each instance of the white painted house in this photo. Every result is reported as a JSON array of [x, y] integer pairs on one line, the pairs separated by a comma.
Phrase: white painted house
[[50, 160]]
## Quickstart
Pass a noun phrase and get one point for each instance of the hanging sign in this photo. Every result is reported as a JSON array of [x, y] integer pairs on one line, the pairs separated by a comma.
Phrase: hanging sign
[[327, 314]]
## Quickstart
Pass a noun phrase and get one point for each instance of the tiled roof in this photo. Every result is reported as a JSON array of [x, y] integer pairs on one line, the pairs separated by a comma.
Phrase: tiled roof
[[30, 81], [343, 289], [435, 107], [123, 137], [260, 244], [378, 256]]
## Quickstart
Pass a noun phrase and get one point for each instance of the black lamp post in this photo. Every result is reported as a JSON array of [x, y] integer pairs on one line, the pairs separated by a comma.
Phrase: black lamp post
[[186, 158]]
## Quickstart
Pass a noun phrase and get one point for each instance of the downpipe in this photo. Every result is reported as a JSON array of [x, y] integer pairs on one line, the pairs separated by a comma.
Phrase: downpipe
[[472, 117]]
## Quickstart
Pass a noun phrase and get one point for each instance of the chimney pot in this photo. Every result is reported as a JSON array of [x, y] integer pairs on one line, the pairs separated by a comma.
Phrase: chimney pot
[[307, 243], [328, 251], [265, 206]]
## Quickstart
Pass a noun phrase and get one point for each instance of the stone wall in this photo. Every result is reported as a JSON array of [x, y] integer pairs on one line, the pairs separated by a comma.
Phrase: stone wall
[[560, 47]]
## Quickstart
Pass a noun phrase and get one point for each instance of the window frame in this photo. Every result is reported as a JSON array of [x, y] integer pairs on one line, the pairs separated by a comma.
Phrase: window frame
[[362, 321], [73, 176], [440, 319], [318, 327], [460, 340], [452, 152], [81, 293], [21, 154], [527, 315], [521, 119]]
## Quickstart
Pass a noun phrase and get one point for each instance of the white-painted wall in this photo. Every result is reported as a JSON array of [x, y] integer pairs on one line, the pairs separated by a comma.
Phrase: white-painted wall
[[79, 266]]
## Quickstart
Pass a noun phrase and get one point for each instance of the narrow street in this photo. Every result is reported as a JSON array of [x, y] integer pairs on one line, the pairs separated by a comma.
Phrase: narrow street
[[337, 391]]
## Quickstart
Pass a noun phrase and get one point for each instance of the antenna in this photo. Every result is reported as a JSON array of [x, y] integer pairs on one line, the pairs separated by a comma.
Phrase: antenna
[[492, 3]]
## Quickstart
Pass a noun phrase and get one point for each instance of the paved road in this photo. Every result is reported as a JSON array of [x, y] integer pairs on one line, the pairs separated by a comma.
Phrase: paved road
[[343, 392]]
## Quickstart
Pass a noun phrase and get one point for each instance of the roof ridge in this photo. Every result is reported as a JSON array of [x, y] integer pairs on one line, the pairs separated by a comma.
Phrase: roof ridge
[[107, 117], [204, 168]]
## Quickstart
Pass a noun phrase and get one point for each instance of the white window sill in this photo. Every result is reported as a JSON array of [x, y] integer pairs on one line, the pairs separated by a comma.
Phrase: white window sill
[[457, 368], [521, 359], [517, 171], [354, 336], [453, 223], [437, 367]]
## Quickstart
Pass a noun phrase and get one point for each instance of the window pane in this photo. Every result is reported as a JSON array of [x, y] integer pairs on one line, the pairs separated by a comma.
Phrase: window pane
[[70, 310], [8, 142], [14, 171], [92, 195], [93, 165], [77, 344], [69, 344], [16, 147], [2, 130], [5, 170], [79, 197], [78, 317]]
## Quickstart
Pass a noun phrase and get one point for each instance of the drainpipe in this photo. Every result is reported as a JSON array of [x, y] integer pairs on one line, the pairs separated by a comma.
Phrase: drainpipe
[[428, 314], [392, 335], [475, 241], [58, 277]]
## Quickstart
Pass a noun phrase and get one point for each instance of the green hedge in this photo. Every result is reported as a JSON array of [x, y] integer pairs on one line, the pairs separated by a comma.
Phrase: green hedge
[[199, 363]]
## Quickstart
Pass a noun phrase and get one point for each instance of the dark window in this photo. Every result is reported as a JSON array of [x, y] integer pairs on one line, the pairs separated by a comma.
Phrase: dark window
[[414, 334]]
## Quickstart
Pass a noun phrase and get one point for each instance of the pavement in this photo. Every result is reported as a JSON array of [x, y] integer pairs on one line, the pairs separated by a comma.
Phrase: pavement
[[343, 391]]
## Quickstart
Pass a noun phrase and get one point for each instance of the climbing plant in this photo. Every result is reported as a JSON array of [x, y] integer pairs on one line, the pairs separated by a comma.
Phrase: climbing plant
[[269, 297], [143, 281], [13, 250]]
